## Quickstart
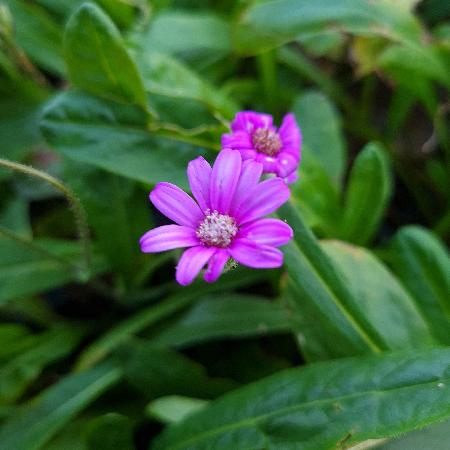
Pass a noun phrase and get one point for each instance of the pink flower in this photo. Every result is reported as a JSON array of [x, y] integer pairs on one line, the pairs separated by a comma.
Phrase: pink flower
[[254, 135], [225, 221]]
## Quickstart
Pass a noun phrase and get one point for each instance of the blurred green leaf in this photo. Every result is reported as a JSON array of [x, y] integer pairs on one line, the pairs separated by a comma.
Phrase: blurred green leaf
[[422, 263], [224, 316], [323, 405], [387, 311], [111, 431], [97, 59], [114, 137], [367, 195], [18, 373], [25, 271], [158, 371], [38, 421], [174, 408], [38, 34], [194, 36], [317, 289], [322, 134]]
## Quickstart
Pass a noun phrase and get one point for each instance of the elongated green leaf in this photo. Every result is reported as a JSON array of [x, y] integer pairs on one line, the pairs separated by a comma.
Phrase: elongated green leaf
[[322, 134], [114, 137], [39, 420], [151, 315], [110, 431], [367, 195], [97, 59], [18, 373], [157, 371], [174, 408], [224, 317], [423, 265], [26, 271], [385, 308], [324, 405], [318, 288]]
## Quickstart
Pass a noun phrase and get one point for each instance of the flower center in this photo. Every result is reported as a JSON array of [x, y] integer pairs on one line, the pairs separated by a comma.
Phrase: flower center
[[266, 141], [217, 230]]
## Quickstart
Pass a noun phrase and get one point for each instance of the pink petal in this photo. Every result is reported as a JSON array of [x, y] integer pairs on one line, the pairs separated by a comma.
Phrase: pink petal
[[254, 255], [191, 262], [270, 163], [224, 179], [249, 121], [237, 140], [168, 237], [290, 135], [292, 178], [250, 174], [248, 153], [273, 232], [199, 175], [286, 164], [263, 199], [216, 265], [176, 205]]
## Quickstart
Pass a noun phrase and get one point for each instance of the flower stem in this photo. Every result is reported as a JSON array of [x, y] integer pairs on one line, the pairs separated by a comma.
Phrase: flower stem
[[73, 201]]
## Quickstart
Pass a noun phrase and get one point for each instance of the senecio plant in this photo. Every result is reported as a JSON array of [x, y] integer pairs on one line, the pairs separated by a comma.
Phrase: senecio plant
[[227, 219]]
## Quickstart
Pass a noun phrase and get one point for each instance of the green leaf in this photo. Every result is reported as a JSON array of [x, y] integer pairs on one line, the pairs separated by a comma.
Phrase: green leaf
[[387, 311], [321, 129], [324, 405], [110, 431], [193, 36], [422, 263], [97, 59], [215, 318], [157, 371], [17, 374], [317, 289], [367, 196], [38, 34], [317, 196], [39, 420], [114, 137], [25, 271], [151, 315], [174, 408]]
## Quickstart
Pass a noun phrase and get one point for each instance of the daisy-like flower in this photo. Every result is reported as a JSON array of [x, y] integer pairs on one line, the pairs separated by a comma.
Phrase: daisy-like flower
[[225, 221], [254, 135]]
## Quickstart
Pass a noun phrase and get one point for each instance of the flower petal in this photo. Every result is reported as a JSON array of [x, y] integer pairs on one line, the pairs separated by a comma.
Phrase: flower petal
[[286, 164], [250, 174], [191, 262], [168, 237], [263, 199], [254, 255], [290, 135], [237, 140], [270, 163], [272, 232], [176, 204], [224, 179], [249, 121], [199, 175], [216, 265]]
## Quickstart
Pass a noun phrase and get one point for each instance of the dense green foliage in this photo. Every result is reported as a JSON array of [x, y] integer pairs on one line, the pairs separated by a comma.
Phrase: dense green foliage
[[347, 343]]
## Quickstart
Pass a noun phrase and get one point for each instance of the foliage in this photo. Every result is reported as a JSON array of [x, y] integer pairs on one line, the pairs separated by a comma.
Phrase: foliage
[[347, 342]]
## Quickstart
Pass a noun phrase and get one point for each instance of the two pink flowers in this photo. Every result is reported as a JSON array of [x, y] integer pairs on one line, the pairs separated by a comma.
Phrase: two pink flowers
[[226, 219]]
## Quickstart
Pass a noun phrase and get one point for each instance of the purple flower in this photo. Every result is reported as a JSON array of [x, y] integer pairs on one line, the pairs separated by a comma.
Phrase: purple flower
[[225, 221], [254, 135]]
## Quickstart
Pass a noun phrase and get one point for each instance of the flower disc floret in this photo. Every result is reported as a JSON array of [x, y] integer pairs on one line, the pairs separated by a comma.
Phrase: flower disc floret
[[217, 230], [266, 141]]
